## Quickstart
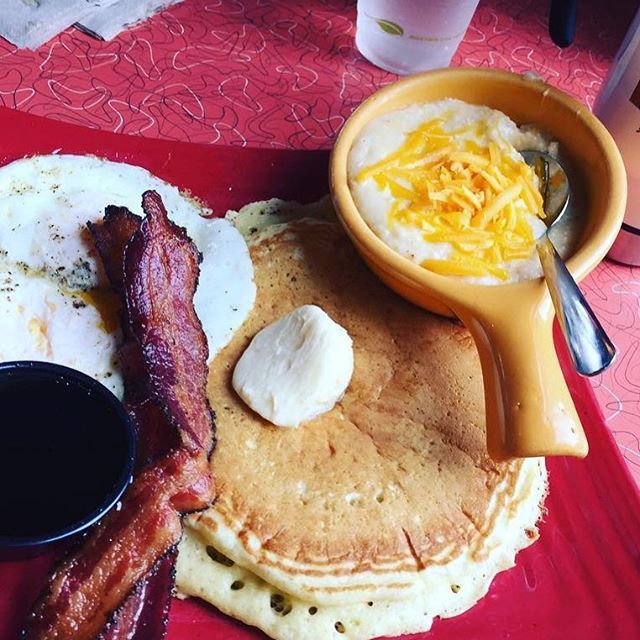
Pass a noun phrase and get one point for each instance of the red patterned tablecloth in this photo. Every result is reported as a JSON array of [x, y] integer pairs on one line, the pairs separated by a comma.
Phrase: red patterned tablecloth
[[282, 74]]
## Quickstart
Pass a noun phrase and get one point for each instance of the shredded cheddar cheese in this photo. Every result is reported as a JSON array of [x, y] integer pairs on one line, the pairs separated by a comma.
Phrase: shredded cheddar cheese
[[476, 197]]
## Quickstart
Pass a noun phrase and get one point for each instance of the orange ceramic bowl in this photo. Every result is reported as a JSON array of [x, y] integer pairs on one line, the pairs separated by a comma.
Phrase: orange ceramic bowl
[[529, 409]]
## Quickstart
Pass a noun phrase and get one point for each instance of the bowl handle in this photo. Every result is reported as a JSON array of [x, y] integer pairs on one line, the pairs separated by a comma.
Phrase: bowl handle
[[528, 406]]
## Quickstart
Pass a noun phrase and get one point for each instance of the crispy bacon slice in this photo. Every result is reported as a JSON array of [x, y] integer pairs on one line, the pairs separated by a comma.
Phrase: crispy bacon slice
[[176, 349], [159, 277], [153, 439], [145, 612]]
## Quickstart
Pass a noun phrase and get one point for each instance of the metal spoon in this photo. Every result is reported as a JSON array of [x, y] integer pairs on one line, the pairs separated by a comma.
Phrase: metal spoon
[[591, 349]]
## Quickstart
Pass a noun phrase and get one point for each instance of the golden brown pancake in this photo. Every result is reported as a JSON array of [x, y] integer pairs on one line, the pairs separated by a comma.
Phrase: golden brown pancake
[[390, 496]]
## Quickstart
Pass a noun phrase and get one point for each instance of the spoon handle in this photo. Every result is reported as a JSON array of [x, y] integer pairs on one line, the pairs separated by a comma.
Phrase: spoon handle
[[591, 349]]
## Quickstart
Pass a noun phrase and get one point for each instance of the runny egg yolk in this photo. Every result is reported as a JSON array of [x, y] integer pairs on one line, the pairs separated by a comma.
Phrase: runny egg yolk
[[107, 303], [475, 196]]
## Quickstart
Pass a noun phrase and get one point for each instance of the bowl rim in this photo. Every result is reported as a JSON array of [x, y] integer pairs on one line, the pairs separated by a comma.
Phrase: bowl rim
[[49, 370], [588, 254]]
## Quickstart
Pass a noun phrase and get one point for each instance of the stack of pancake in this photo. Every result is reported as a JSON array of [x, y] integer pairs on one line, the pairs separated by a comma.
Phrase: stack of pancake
[[386, 511]]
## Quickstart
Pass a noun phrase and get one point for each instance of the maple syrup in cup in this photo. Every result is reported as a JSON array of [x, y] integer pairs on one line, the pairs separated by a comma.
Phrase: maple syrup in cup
[[66, 453], [409, 36]]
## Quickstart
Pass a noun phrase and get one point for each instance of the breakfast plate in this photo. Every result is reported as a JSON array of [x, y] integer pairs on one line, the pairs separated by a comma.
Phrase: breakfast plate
[[580, 580]]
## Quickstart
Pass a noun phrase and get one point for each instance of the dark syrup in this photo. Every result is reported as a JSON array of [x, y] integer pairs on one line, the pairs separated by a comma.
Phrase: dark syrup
[[62, 453]]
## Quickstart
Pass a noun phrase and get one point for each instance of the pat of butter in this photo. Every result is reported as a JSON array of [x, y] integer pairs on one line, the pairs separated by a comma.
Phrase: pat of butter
[[295, 368]]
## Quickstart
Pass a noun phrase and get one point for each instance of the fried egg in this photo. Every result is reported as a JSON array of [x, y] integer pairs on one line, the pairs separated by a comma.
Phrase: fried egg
[[55, 302]]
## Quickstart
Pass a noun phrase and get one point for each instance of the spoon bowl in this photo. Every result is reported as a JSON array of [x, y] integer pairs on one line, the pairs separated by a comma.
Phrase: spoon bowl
[[553, 181]]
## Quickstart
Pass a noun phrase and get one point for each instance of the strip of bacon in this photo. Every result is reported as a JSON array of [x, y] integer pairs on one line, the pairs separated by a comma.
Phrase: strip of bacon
[[145, 612], [159, 280], [151, 269], [153, 437]]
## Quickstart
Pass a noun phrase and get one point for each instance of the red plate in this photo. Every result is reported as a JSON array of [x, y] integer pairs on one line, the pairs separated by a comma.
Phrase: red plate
[[581, 580]]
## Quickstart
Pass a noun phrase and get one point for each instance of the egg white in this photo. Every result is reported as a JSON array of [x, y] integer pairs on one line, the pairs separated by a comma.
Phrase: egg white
[[48, 263]]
